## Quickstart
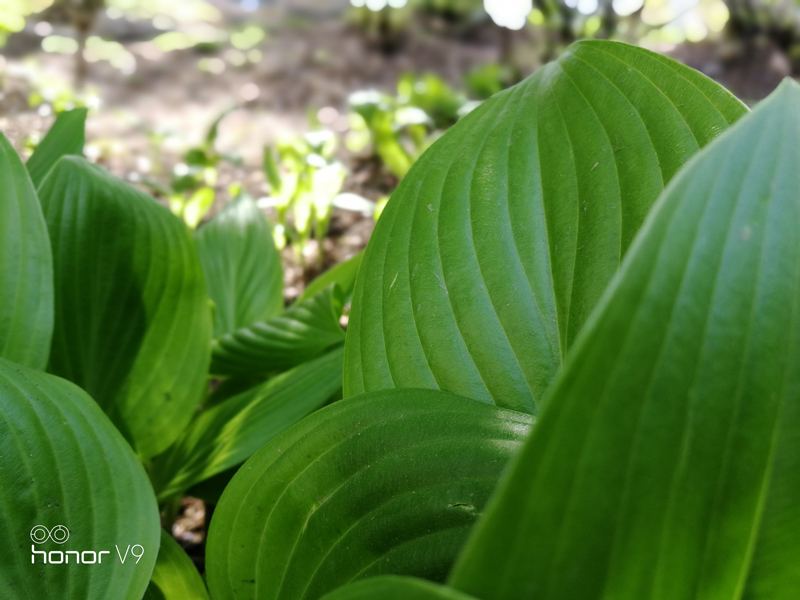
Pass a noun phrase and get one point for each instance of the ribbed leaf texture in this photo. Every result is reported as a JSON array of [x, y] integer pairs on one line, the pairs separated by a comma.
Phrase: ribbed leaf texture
[[499, 242], [132, 316], [242, 266], [62, 463], [228, 434], [389, 482], [305, 330], [666, 462]]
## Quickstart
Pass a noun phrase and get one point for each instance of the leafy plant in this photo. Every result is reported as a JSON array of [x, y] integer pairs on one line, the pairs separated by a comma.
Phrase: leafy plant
[[401, 128], [192, 188], [569, 371], [304, 182]]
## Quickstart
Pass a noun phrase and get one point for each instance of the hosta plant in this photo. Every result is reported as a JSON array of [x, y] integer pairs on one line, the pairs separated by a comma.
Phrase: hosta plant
[[570, 369]]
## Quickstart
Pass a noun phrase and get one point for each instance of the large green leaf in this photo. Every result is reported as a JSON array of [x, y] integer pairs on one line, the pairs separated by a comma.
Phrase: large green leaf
[[497, 245], [26, 267], [175, 577], [385, 483], [666, 461], [66, 137], [66, 472], [305, 330], [242, 266], [228, 434], [391, 587], [133, 322]]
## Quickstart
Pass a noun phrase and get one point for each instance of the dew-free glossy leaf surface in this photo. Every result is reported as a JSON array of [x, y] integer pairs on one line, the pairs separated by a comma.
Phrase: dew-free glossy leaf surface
[[384, 483], [62, 462], [26, 267], [305, 330], [242, 266], [666, 463], [391, 587], [65, 137], [499, 242], [228, 434], [132, 317], [174, 577]]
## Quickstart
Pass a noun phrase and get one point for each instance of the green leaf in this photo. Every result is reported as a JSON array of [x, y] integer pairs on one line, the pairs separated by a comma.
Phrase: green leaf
[[175, 577], [197, 206], [665, 462], [271, 171], [385, 483], [228, 434], [213, 130], [343, 274], [26, 267], [391, 587], [62, 463], [242, 266], [133, 324], [495, 248], [66, 137], [305, 330]]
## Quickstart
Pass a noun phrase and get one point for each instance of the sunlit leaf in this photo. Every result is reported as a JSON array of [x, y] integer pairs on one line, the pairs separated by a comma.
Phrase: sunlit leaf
[[228, 434], [665, 464], [493, 251], [196, 207], [305, 330]]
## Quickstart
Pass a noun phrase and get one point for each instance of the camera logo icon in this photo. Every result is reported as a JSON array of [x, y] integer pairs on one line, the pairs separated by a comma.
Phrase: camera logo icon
[[58, 534]]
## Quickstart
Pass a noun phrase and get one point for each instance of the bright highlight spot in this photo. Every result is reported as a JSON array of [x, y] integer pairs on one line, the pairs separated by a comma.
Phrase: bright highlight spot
[[509, 13]]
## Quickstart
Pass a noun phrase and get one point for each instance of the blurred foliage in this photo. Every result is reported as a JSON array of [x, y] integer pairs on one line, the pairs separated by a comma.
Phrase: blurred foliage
[[191, 191], [400, 128], [304, 180]]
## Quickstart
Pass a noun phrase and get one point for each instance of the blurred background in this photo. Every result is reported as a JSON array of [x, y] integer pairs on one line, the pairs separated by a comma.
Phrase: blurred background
[[317, 108]]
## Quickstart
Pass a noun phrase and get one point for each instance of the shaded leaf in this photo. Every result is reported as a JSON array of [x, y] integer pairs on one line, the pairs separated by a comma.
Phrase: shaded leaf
[[66, 137], [133, 324], [175, 577], [665, 464], [242, 266], [62, 463], [391, 587], [385, 483], [26, 267], [305, 330], [495, 248], [228, 434]]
